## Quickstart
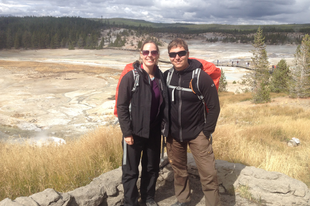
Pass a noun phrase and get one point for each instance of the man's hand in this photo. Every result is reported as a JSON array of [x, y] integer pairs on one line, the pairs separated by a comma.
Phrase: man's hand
[[129, 140]]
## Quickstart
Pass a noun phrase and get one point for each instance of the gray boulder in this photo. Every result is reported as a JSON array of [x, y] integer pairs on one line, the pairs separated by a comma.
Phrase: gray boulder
[[9, 202], [239, 185], [26, 201], [267, 188]]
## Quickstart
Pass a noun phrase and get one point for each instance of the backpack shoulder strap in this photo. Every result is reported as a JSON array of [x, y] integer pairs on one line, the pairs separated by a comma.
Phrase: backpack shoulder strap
[[194, 85], [136, 79], [169, 76], [170, 72]]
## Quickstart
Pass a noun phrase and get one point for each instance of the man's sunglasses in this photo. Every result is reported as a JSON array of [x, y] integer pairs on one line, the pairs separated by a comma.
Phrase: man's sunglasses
[[146, 52], [174, 54]]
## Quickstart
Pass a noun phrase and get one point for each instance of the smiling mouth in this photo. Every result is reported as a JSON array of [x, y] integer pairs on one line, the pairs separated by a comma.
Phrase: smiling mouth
[[178, 62]]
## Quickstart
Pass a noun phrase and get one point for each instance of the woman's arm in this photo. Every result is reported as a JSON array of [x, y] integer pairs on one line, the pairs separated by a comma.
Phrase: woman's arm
[[123, 102]]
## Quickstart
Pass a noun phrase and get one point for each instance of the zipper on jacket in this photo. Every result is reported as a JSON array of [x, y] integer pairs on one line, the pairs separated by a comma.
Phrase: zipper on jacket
[[180, 108]]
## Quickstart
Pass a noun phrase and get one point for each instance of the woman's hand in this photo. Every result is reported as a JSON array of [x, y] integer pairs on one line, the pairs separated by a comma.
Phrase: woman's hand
[[129, 140]]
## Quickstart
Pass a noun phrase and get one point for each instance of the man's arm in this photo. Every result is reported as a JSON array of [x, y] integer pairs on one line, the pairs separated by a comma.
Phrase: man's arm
[[209, 91]]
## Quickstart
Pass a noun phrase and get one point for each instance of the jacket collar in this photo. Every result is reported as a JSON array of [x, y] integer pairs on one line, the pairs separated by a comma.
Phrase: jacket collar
[[193, 64]]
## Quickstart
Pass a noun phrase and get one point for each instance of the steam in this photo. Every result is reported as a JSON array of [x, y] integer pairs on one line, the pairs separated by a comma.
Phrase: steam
[[42, 139]]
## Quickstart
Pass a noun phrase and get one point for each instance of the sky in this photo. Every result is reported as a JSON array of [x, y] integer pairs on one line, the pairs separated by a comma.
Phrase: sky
[[235, 12]]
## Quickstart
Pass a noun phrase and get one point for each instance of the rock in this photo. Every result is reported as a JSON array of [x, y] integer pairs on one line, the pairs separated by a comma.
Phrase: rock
[[9, 202], [239, 185], [26, 201], [227, 174], [291, 143], [89, 195], [65, 200], [272, 188], [294, 142], [110, 181], [46, 197]]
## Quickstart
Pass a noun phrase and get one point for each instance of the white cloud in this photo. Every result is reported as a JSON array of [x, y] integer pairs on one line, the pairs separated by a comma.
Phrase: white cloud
[[200, 11]]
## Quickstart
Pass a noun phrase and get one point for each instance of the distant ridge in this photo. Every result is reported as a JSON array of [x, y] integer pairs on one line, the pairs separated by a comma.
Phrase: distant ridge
[[137, 22]]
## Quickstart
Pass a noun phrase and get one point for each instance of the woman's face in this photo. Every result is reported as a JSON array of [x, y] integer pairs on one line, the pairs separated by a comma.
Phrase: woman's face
[[149, 54]]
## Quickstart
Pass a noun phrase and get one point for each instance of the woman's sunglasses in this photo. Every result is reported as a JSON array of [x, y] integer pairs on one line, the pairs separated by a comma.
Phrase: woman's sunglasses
[[174, 54], [146, 52]]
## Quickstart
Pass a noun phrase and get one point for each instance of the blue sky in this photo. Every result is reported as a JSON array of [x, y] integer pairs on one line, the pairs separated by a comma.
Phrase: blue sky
[[168, 11]]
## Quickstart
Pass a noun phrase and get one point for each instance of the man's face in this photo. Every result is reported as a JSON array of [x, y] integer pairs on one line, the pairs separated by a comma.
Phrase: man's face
[[179, 58]]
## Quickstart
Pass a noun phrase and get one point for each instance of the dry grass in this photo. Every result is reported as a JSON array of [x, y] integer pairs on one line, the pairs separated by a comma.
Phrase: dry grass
[[250, 134], [26, 170], [55, 67], [257, 135]]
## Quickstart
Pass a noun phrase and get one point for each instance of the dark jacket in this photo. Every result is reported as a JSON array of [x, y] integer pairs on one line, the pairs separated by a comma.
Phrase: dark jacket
[[187, 111], [137, 121]]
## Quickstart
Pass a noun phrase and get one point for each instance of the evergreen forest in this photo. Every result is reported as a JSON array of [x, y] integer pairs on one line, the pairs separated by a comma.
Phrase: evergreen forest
[[76, 32]]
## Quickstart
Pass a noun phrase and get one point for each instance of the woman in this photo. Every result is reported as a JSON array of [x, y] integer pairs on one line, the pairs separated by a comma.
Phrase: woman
[[142, 116]]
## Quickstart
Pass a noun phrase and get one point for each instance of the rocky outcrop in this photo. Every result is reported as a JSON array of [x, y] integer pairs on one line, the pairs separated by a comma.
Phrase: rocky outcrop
[[239, 185]]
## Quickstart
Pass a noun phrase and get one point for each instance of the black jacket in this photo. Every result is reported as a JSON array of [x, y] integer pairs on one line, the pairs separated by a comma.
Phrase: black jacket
[[187, 111], [137, 121]]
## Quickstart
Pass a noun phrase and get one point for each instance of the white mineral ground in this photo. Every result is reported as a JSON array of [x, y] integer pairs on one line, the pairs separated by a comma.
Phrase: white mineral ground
[[69, 104]]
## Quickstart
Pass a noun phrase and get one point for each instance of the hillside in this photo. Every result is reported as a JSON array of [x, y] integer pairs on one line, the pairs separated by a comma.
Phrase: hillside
[[76, 32]]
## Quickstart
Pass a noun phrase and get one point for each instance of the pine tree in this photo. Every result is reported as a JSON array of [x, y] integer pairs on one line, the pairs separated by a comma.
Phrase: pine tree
[[101, 43], [9, 40], [260, 76], [140, 44], [16, 41], [71, 47], [26, 40], [63, 43], [35, 40], [223, 82], [47, 40], [280, 77], [95, 40], [300, 84], [41, 37], [80, 42], [88, 42], [2, 39], [119, 42], [55, 43]]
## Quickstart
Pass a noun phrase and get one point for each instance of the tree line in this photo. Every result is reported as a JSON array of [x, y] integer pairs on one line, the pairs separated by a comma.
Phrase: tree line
[[48, 32], [71, 32], [271, 38], [62, 32]]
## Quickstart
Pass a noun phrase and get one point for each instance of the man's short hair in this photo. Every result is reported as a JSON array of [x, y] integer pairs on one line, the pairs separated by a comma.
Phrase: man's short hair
[[178, 43]]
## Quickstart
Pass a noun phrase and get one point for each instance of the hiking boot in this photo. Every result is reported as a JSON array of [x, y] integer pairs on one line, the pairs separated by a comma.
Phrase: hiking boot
[[180, 204], [151, 202]]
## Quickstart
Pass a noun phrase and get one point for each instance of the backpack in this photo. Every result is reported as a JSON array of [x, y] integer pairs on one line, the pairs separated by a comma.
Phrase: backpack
[[213, 71], [128, 68], [208, 67]]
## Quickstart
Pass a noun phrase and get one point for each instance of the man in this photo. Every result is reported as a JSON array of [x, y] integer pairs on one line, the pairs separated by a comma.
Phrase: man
[[191, 125]]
